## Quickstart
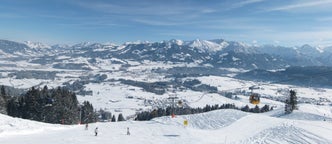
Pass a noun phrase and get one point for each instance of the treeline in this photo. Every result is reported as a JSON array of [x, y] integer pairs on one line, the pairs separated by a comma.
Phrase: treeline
[[48, 105], [160, 88], [58, 106], [313, 76], [148, 115], [105, 116]]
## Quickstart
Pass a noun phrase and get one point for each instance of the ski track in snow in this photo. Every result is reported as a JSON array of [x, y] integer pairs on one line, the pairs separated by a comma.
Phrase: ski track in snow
[[286, 134], [215, 127], [207, 121]]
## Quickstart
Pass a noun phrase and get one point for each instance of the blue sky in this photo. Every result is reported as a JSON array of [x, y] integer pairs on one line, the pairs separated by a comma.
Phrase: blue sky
[[284, 22]]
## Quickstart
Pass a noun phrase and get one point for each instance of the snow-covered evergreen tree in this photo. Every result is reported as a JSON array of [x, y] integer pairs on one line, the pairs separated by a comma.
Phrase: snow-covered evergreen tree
[[53, 106], [291, 103], [3, 101]]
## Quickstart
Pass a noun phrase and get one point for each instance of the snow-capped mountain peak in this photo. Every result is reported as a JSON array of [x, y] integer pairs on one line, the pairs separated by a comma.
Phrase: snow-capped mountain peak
[[137, 42], [109, 44], [176, 41], [36, 45], [207, 45], [309, 50], [320, 49], [82, 44], [60, 46]]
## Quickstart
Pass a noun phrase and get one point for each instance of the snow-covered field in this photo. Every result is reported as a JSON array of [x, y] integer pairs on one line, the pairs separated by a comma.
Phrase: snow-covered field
[[120, 98], [215, 127], [311, 123]]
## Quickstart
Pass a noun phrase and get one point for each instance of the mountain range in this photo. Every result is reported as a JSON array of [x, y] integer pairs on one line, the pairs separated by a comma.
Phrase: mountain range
[[218, 53]]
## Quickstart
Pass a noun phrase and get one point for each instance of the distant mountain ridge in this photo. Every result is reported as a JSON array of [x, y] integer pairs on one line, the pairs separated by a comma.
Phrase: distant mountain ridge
[[218, 53], [311, 76]]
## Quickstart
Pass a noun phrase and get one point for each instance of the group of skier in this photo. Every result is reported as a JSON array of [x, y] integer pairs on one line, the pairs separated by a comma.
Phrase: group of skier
[[96, 129]]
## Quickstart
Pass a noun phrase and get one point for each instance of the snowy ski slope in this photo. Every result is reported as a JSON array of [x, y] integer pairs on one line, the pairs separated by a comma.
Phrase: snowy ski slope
[[221, 126]]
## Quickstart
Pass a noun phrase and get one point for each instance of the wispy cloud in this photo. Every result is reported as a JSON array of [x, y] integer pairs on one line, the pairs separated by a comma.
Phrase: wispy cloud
[[10, 15], [243, 4], [90, 25], [301, 4], [157, 13], [159, 22], [246, 2], [175, 34], [236, 24], [144, 9]]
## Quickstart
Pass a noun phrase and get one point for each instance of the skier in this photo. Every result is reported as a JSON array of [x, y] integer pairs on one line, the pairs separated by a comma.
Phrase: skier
[[96, 131], [128, 133]]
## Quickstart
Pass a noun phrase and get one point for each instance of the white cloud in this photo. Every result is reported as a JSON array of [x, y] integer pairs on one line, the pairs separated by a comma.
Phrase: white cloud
[[147, 8], [301, 4], [244, 3], [209, 10], [158, 22]]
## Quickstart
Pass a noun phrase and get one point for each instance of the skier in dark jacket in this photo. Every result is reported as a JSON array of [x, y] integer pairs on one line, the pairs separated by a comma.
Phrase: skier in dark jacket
[[96, 131], [128, 133]]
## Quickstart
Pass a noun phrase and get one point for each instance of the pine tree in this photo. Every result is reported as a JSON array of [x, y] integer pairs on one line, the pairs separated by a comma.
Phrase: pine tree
[[256, 109], [3, 91], [31, 107], [153, 113], [113, 119], [265, 108], [287, 107], [207, 108], [105, 115], [291, 103], [293, 99], [3, 101], [121, 118], [87, 113], [245, 108], [12, 108]]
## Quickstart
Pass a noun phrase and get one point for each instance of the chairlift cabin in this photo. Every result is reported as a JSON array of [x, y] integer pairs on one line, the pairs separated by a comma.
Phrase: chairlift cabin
[[254, 98]]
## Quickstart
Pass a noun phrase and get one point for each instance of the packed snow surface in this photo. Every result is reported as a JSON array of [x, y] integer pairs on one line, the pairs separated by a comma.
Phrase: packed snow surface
[[215, 127]]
